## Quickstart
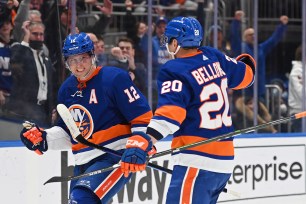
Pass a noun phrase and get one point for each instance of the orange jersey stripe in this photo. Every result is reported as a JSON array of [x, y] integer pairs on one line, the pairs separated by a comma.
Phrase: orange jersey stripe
[[188, 185], [248, 77], [220, 148], [105, 135], [172, 112], [108, 183], [143, 119], [192, 54]]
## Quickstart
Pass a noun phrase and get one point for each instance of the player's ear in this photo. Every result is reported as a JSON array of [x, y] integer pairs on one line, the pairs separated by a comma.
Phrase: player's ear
[[67, 66], [175, 43]]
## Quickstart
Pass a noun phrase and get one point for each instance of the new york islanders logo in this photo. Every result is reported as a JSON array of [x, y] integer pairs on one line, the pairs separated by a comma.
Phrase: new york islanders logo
[[83, 120]]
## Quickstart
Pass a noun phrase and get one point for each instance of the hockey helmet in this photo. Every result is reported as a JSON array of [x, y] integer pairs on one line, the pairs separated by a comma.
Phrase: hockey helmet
[[76, 44], [186, 30]]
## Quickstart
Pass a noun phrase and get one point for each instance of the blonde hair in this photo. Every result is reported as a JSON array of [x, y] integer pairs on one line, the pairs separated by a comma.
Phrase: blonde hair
[[247, 32]]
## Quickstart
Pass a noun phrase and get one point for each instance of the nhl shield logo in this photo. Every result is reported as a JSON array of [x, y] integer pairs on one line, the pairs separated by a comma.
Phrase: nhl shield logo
[[83, 119]]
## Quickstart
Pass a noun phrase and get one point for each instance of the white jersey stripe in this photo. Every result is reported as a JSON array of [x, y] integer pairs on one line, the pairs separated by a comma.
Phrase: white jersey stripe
[[200, 162]]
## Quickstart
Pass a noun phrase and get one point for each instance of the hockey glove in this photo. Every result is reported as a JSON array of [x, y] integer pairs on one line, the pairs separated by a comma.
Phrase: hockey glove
[[248, 60], [33, 138], [134, 158]]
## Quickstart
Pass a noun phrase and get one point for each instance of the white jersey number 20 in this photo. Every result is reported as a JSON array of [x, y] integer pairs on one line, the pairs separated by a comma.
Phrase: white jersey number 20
[[215, 106]]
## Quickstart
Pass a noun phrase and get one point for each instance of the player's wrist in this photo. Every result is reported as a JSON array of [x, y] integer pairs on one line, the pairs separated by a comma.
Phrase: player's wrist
[[140, 140]]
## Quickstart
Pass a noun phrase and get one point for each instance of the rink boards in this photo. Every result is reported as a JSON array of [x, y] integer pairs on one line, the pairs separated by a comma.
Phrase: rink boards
[[268, 169]]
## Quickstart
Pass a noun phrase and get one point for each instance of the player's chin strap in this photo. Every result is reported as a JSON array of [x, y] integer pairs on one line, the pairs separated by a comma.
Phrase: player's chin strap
[[172, 54]]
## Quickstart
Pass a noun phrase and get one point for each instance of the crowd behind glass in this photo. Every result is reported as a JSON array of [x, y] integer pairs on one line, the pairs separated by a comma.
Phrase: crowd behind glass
[[32, 67]]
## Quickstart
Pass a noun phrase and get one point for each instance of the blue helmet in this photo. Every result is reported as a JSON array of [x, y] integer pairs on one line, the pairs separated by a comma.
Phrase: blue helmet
[[77, 44], [186, 30]]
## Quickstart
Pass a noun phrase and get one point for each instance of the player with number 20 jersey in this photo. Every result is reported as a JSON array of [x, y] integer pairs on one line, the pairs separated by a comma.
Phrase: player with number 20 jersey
[[193, 105]]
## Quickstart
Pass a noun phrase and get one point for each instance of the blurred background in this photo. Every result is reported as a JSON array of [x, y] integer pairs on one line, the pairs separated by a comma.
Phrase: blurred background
[[126, 34]]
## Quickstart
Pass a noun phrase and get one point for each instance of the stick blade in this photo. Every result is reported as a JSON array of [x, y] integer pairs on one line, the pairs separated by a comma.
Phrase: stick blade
[[56, 179]]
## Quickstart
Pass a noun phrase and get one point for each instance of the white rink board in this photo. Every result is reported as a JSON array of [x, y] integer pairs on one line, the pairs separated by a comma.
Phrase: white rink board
[[22, 174], [267, 170]]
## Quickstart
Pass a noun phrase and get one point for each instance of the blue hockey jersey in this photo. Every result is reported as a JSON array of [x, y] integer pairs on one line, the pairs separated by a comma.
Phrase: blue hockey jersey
[[106, 108], [6, 79], [193, 105]]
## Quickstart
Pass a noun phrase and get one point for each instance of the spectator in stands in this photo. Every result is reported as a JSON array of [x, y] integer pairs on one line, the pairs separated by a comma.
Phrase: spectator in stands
[[180, 5], [57, 31], [235, 33], [101, 57], [43, 6], [123, 57], [244, 114], [6, 26], [135, 31], [263, 49], [94, 39], [296, 89], [281, 93], [221, 44], [24, 13], [21, 16], [160, 54], [36, 4], [31, 96], [10, 6]]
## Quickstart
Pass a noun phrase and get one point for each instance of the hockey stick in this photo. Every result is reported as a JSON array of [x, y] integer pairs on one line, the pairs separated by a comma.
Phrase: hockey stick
[[175, 150], [228, 135], [69, 178], [76, 134]]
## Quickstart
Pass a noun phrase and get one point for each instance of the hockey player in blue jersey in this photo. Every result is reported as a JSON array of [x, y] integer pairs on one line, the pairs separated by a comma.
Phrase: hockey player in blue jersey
[[193, 105], [107, 108]]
